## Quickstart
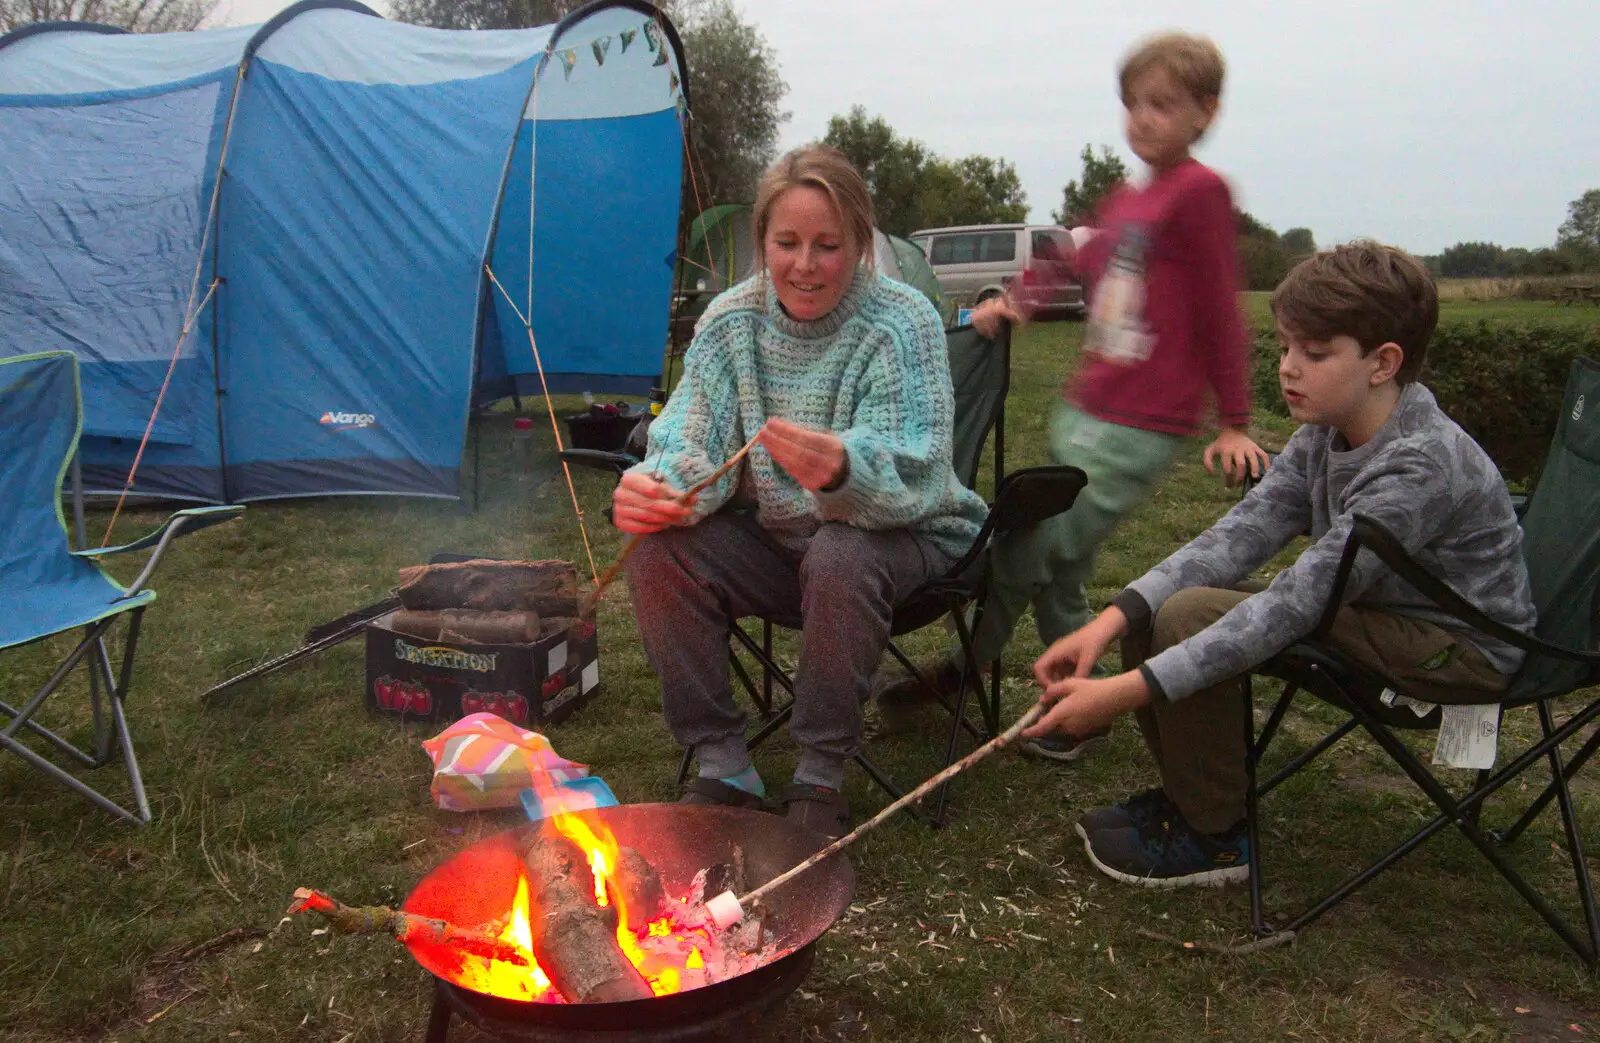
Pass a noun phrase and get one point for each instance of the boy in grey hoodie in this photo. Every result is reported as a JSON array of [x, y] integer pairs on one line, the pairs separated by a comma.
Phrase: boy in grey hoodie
[[1353, 326]]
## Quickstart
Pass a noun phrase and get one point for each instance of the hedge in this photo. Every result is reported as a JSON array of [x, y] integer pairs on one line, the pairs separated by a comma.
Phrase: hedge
[[1503, 382]]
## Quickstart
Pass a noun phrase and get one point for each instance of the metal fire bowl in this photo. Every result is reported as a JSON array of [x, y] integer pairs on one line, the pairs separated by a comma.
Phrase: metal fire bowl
[[478, 885]]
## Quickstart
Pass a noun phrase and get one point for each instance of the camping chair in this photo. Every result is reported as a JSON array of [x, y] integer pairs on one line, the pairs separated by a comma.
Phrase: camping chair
[[1561, 542], [48, 588], [980, 371]]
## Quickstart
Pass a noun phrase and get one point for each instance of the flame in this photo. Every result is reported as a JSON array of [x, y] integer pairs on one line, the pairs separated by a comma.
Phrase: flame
[[669, 954]]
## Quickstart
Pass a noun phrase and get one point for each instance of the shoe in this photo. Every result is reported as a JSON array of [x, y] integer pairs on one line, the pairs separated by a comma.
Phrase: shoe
[[1167, 852], [716, 791], [1066, 748], [1138, 810], [907, 690], [822, 810]]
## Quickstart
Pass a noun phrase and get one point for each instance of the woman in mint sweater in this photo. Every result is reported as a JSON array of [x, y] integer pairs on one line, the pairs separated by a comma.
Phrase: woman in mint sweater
[[846, 505]]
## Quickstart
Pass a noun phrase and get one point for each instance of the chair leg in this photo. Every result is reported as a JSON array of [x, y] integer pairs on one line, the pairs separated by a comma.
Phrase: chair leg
[[1511, 833], [1569, 821], [1252, 799], [683, 765], [1454, 811]]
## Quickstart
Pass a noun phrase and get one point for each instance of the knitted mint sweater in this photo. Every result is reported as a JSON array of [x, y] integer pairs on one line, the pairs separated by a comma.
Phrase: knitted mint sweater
[[874, 371]]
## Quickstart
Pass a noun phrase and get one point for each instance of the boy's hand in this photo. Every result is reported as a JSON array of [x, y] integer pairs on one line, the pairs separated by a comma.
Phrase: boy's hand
[[815, 458], [1076, 654], [641, 505], [986, 317], [1238, 453], [1083, 706]]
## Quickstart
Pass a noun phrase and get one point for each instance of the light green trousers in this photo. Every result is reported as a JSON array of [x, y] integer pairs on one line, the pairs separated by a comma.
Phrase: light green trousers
[[1050, 565]]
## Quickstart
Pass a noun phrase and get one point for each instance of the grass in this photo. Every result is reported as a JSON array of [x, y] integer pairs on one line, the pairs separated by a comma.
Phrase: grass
[[992, 929], [1458, 308]]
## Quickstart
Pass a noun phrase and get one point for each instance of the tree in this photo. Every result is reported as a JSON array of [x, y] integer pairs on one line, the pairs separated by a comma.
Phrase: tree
[[138, 16], [1579, 235], [893, 167], [1264, 258], [1299, 242], [736, 92], [1473, 261], [734, 84], [1101, 174], [913, 188]]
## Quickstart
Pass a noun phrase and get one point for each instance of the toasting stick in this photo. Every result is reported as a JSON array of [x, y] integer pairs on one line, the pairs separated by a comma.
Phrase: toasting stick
[[591, 599], [407, 927], [727, 909]]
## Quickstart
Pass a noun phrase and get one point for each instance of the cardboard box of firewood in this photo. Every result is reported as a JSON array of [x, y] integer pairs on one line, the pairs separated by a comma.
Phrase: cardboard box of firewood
[[500, 637]]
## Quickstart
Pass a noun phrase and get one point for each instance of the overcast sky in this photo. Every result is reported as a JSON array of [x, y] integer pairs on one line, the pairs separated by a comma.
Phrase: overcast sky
[[1421, 123]]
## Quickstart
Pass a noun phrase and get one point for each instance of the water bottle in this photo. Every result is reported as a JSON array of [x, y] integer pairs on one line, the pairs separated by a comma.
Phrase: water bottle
[[658, 398], [522, 448]]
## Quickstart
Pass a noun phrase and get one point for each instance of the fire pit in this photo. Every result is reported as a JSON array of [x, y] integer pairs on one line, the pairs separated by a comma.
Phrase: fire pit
[[488, 882]]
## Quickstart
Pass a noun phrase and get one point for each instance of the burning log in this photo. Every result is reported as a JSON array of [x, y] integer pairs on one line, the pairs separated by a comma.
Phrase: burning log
[[487, 628], [549, 588], [575, 938], [380, 919], [644, 900]]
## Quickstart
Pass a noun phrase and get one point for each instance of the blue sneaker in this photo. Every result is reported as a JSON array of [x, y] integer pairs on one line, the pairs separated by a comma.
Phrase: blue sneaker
[[1141, 809], [1167, 852]]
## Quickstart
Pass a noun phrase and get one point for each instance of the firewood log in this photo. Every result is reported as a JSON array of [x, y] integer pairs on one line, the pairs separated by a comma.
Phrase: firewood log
[[549, 588], [465, 624], [644, 900], [574, 938]]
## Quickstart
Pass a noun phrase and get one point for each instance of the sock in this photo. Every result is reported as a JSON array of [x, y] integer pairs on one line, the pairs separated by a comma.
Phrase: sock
[[729, 761], [748, 780], [820, 769]]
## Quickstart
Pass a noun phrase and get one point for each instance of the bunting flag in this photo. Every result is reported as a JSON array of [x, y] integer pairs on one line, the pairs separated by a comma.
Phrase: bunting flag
[[652, 37], [673, 82], [627, 36], [569, 58], [600, 48], [661, 57]]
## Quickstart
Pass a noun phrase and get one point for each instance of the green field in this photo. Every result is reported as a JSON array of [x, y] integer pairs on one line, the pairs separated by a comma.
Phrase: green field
[[1259, 315], [995, 928]]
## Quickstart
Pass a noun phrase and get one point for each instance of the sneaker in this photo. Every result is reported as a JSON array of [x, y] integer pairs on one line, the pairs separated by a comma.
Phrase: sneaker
[[1168, 852], [1066, 748], [1141, 809]]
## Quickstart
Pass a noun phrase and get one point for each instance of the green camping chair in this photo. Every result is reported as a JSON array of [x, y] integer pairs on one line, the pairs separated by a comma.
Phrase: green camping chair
[[980, 371], [47, 588], [1561, 542]]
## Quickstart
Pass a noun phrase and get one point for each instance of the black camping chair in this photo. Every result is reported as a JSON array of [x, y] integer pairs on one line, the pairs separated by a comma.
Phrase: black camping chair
[[1561, 542], [980, 371]]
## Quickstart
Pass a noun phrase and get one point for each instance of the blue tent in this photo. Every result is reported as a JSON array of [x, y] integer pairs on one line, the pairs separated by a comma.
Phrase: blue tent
[[340, 323]]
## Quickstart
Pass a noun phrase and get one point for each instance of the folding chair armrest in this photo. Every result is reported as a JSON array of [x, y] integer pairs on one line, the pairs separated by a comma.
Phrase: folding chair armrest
[[1025, 498], [601, 459], [183, 522], [1371, 535]]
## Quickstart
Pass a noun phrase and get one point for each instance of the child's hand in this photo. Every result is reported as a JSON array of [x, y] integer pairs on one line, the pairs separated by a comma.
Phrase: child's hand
[[1238, 453], [1083, 706], [1076, 654], [986, 317]]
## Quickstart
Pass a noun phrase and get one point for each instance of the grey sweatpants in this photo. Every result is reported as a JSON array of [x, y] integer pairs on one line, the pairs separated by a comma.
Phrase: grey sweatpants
[[840, 588]]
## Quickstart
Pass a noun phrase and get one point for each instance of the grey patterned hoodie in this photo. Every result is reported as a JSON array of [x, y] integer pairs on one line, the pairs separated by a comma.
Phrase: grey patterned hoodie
[[1421, 477]]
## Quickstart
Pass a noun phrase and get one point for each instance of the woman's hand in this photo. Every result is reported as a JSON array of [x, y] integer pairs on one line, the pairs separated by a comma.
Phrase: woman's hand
[[815, 458], [1238, 452], [986, 317], [641, 505], [1082, 706]]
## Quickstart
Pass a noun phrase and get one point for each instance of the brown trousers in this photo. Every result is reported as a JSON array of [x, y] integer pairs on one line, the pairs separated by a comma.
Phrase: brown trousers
[[1198, 742]]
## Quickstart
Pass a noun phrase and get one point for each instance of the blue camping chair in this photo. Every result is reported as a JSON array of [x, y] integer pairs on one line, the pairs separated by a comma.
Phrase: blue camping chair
[[47, 588]]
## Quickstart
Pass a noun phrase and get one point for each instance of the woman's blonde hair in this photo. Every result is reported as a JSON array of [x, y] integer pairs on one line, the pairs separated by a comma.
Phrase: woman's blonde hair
[[826, 169]]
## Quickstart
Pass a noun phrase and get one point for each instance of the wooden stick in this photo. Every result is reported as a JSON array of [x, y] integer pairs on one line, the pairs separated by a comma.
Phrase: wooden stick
[[407, 927], [591, 599], [999, 742], [1271, 941]]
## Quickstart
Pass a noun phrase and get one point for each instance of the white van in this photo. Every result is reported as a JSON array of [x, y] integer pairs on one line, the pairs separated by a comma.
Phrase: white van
[[976, 262]]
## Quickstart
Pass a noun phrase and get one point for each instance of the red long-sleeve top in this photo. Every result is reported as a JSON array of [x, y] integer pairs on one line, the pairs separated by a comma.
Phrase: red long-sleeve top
[[1164, 323]]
